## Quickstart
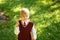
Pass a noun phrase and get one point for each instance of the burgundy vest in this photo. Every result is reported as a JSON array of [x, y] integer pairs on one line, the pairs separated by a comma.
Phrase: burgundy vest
[[25, 31]]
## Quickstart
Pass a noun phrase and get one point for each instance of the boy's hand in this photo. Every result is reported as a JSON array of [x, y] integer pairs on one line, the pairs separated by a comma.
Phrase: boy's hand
[[17, 23], [33, 38]]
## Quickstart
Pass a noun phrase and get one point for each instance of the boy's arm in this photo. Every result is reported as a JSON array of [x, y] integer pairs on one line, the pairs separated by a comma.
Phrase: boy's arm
[[16, 29], [33, 34]]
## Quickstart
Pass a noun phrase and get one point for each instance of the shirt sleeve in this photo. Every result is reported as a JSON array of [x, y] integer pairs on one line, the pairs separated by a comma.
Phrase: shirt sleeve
[[16, 30], [34, 35]]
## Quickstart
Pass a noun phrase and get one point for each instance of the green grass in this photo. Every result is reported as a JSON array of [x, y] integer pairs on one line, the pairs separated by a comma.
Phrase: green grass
[[44, 13]]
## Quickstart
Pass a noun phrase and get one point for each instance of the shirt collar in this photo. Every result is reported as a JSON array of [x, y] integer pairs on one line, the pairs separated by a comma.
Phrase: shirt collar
[[25, 21]]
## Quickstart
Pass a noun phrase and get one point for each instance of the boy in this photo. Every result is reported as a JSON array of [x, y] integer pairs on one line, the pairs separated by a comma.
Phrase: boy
[[25, 28]]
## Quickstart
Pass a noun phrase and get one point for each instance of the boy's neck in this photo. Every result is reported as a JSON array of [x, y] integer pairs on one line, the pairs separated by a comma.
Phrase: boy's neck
[[25, 20]]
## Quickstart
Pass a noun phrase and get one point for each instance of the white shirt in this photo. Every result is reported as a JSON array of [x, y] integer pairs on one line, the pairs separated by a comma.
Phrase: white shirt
[[33, 31]]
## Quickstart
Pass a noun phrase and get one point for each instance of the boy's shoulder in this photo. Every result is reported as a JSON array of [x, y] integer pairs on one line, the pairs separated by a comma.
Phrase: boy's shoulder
[[31, 21], [18, 20]]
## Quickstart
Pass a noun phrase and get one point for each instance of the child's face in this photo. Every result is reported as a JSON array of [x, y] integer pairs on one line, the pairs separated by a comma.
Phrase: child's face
[[24, 15]]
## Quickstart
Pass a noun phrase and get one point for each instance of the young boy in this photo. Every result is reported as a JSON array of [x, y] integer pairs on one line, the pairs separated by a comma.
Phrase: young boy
[[24, 27]]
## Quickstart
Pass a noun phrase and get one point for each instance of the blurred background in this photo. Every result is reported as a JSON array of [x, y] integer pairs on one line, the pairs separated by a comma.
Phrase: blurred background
[[44, 13]]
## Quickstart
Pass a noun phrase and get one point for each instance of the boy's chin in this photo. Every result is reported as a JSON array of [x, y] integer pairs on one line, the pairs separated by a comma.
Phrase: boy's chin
[[24, 19]]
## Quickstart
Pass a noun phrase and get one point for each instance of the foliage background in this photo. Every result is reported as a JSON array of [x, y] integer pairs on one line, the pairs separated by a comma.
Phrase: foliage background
[[44, 13]]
